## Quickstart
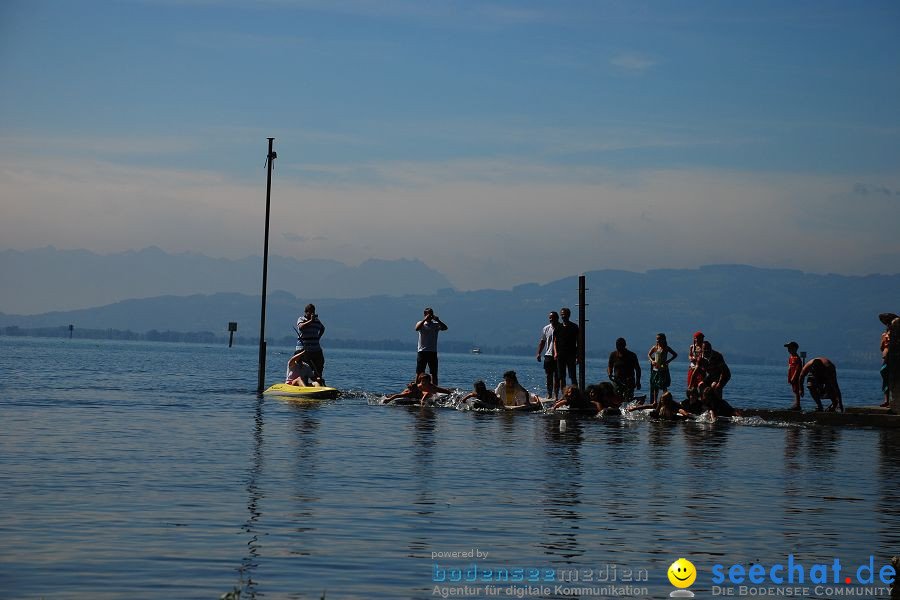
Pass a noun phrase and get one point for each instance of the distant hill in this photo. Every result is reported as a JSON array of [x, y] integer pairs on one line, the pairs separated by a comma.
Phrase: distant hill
[[37, 281], [747, 312]]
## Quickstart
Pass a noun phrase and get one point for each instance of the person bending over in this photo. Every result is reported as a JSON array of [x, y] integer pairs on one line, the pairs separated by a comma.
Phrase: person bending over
[[821, 381]]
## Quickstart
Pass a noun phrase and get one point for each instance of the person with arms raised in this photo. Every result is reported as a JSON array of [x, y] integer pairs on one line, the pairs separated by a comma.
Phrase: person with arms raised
[[429, 328]]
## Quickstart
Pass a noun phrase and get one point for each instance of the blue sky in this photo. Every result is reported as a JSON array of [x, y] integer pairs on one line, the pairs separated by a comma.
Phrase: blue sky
[[500, 142]]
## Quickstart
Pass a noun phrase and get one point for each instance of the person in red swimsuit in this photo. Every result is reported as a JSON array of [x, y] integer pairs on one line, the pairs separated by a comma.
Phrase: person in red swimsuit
[[694, 353], [795, 364]]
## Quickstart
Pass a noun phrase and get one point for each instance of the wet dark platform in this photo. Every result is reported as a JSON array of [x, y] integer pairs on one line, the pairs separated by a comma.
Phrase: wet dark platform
[[865, 416]]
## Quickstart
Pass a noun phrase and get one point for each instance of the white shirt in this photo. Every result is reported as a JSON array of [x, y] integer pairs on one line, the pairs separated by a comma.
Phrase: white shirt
[[547, 338], [519, 397]]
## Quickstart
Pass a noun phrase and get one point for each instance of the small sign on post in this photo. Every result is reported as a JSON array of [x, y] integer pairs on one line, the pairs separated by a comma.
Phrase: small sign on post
[[232, 327]]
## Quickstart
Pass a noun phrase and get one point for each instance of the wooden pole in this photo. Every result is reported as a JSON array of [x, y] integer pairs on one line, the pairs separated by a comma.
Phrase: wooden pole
[[581, 321], [261, 383]]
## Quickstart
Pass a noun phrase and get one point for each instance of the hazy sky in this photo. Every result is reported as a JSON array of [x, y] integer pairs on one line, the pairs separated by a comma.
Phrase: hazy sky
[[500, 141]]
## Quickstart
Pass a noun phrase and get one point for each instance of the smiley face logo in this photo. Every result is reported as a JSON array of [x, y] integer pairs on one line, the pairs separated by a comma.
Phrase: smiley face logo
[[682, 573]]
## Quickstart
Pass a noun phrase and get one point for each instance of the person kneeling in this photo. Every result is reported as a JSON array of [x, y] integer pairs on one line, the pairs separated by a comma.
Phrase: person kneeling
[[299, 373]]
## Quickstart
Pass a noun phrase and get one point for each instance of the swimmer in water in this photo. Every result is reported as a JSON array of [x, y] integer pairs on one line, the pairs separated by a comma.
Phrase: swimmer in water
[[482, 397], [513, 396], [411, 392], [428, 389], [577, 401], [664, 408]]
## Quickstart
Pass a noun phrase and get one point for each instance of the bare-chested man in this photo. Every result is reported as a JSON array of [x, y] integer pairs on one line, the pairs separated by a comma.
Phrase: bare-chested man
[[822, 383]]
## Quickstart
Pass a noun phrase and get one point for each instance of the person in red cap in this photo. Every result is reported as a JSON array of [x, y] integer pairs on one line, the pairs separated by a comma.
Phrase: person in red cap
[[795, 363], [694, 353]]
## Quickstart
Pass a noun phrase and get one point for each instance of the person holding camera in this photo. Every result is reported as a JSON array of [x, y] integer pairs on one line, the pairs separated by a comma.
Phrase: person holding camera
[[309, 332], [429, 328]]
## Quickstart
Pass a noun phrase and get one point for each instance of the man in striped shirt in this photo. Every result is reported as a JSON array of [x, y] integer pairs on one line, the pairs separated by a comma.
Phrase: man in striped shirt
[[309, 332]]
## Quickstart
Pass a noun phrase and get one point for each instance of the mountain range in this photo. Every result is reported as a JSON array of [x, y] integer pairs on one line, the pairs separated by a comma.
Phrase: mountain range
[[48, 279], [748, 313]]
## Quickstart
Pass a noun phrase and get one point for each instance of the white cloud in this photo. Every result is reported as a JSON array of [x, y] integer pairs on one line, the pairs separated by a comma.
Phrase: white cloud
[[633, 62]]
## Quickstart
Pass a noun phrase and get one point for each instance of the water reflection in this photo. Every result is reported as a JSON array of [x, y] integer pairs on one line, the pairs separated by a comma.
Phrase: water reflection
[[706, 445], [888, 504], [254, 495], [424, 425], [305, 496], [563, 471]]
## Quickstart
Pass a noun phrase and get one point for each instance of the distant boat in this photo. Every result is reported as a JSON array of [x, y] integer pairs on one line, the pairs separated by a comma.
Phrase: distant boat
[[476, 351]]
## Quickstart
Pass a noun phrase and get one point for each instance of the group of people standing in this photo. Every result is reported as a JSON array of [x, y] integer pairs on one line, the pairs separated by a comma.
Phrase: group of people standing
[[558, 351]]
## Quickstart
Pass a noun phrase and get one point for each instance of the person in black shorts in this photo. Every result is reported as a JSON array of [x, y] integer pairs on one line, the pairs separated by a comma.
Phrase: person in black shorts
[[545, 352], [566, 348], [429, 328], [624, 370]]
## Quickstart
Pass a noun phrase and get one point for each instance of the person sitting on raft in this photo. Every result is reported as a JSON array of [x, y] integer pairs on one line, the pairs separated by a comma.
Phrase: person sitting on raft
[[513, 396], [664, 408], [482, 397], [427, 389], [624, 370], [605, 393], [299, 373], [411, 392], [577, 401], [822, 383], [715, 405], [693, 404]]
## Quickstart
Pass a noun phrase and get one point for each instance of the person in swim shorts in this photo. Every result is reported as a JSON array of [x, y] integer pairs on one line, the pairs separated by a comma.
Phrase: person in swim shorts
[[795, 363], [624, 370], [822, 383], [660, 356]]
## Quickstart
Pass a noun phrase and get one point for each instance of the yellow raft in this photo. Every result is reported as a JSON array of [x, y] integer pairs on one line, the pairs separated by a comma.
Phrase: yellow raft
[[296, 391]]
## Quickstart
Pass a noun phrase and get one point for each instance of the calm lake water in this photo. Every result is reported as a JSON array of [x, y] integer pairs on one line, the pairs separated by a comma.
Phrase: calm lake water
[[137, 470]]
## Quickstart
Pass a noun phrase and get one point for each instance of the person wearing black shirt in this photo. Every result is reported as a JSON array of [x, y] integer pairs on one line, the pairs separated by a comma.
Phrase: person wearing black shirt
[[565, 341]]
